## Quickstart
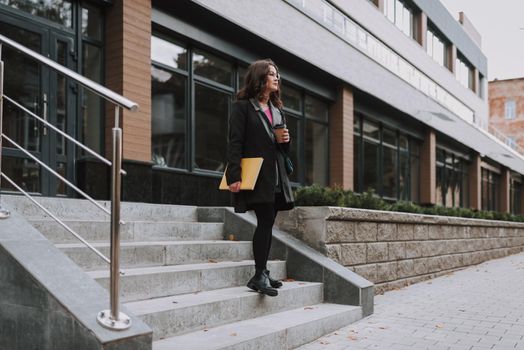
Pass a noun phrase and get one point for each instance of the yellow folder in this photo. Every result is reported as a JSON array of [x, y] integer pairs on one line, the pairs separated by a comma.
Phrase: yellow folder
[[250, 170]]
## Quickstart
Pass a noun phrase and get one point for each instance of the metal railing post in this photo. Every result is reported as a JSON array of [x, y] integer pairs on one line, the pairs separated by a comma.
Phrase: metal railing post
[[112, 318], [4, 213]]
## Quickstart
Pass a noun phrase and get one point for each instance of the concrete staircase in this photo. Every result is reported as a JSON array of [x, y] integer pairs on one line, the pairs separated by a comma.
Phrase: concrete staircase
[[186, 279]]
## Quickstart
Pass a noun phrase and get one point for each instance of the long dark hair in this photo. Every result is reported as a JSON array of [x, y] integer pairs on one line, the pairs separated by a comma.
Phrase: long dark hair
[[255, 83]]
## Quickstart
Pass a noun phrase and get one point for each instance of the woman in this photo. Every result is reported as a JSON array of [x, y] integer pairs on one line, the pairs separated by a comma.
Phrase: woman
[[251, 134]]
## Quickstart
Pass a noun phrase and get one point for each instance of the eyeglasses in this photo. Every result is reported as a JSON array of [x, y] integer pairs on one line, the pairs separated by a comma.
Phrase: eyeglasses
[[274, 75]]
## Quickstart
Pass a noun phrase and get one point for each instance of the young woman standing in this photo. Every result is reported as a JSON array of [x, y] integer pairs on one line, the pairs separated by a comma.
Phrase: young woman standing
[[257, 129]]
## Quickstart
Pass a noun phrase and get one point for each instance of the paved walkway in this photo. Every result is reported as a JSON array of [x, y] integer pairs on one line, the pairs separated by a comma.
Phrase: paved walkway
[[478, 308]]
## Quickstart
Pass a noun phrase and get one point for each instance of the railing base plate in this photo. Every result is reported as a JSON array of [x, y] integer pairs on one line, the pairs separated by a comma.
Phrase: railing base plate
[[105, 319]]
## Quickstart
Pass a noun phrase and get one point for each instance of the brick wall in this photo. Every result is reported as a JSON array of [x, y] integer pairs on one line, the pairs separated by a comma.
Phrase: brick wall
[[128, 72], [499, 92], [341, 140], [393, 250]]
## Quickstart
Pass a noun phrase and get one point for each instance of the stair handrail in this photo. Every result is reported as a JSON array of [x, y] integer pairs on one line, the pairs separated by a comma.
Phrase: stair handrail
[[112, 318]]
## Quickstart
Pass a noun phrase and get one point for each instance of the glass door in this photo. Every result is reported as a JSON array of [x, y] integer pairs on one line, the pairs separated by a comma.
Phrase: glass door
[[44, 93]]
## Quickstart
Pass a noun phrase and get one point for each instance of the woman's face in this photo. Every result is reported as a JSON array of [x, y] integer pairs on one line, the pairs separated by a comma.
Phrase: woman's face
[[272, 80]]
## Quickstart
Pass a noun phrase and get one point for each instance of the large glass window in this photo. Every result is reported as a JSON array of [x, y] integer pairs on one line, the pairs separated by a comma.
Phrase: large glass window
[[464, 72], [308, 116], [92, 111], [452, 180], [192, 92], [172, 132], [401, 15], [385, 160], [211, 124], [490, 183], [436, 47], [169, 99]]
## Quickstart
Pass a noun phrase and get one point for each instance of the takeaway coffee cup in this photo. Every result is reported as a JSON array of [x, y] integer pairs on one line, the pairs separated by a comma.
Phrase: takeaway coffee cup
[[279, 132]]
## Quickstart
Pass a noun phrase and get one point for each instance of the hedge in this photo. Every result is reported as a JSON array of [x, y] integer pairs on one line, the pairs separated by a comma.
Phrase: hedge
[[325, 196]]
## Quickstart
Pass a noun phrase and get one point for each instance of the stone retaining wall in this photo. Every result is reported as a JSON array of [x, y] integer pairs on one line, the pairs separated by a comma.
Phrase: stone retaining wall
[[396, 249]]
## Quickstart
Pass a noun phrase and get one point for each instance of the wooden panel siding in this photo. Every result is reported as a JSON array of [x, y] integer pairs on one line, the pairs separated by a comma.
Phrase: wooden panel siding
[[128, 72]]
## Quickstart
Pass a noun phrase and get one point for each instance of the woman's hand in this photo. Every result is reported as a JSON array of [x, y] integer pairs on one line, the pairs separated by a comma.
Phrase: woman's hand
[[235, 187], [282, 135]]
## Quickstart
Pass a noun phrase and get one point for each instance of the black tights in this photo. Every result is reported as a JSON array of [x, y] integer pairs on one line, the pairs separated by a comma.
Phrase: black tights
[[266, 213]]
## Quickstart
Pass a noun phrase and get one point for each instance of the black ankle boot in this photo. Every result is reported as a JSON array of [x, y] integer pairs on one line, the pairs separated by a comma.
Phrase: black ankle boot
[[260, 283], [272, 282]]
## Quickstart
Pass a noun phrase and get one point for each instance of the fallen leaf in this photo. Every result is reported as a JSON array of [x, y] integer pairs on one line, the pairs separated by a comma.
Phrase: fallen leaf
[[439, 325], [336, 333], [324, 342], [233, 334], [308, 308], [288, 280], [212, 261], [175, 302], [205, 330], [352, 337], [300, 283], [383, 327], [231, 237]]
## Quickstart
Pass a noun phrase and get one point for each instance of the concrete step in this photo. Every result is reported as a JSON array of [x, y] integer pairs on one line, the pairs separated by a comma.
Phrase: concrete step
[[99, 231], [162, 281], [190, 312], [283, 330], [158, 253], [81, 209]]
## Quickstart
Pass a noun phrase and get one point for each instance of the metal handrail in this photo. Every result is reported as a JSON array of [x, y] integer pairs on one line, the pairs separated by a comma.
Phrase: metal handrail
[[79, 191], [111, 318], [51, 126], [88, 83], [96, 251]]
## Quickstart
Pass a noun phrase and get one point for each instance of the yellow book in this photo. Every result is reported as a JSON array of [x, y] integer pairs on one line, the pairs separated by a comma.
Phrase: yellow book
[[250, 170]]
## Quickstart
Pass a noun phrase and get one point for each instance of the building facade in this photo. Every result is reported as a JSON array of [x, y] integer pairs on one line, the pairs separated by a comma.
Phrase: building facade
[[388, 95]]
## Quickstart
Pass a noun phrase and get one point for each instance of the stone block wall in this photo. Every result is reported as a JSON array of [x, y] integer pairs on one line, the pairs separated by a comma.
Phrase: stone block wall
[[393, 250]]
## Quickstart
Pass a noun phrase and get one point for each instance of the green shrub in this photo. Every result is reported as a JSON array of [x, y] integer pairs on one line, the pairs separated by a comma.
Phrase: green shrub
[[316, 195]]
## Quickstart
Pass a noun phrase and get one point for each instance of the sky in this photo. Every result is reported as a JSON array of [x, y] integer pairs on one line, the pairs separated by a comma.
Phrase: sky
[[499, 22]]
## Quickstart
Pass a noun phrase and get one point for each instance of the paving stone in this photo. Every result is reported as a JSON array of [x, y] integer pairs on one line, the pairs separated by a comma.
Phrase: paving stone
[[477, 308]]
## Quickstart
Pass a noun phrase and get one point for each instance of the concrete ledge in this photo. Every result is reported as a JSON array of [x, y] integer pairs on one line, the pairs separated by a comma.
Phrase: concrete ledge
[[49, 302], [341, 285], [392, 249]]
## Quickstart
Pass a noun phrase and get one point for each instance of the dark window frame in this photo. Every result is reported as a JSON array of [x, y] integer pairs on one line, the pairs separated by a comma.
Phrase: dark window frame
[[302, 119], [359, 138]]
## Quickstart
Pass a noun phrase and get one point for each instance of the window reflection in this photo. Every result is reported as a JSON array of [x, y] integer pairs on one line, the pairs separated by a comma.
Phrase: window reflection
[[168, 53], [169, 114], [212, 108], [452, 179], [24, 172], [385, 160], [91, 21], [212, 67], [490, 184], [59, 11]]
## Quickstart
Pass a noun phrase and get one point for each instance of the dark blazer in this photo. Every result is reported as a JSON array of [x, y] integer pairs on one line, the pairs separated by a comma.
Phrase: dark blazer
[[248, 138]]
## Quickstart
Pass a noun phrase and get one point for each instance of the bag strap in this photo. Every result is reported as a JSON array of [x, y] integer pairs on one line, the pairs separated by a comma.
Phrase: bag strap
[[263, 119]]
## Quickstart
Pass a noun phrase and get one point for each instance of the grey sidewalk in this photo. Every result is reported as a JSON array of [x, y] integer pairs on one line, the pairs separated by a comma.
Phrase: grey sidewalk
[[481, 307]]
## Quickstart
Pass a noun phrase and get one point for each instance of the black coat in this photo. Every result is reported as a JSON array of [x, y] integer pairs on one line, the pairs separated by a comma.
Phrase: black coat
[[249, 138]]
